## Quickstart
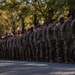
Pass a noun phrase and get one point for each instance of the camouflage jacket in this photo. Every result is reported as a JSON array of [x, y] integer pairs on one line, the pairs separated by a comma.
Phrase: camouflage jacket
[[58, 31], [35, 36], [44, 33], [50, 32], [73, 29], [39, 35], [66, 30]]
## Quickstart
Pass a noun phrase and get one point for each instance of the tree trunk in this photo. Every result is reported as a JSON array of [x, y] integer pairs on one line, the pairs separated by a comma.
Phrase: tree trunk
[[14, 28], [35, 15], [23, 25]]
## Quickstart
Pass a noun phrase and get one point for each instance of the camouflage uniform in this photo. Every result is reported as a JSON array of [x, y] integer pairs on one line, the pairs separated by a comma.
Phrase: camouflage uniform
[[35, 44], [46, 49], [18, 47], [15, 47], [66, 34], [24, 46], [0, 49], [12, 48], [28, 44], [3, 47], [32, 49], [52, 42], [21, 47], [59, 43], [72, 52], [39, 44], [10, 52]]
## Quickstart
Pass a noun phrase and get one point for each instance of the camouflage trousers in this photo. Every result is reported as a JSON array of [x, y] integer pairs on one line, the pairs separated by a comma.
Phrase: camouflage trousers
[[27, 51], [24, 50], [47, 50], [0, 52], [53, 50], [68, 51], [32, 51], [60, 50], [72, 52], [38, 53], [43, 51], [3, 53]]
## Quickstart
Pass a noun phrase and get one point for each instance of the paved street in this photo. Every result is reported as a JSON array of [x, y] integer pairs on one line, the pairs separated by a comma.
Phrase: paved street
[[35, 68]]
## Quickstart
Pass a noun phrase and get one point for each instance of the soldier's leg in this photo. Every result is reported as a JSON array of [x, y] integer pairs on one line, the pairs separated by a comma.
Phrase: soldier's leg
[[29, 48], [36, 49], [10, 54], [59, 51], [47, 51], [38, 52], [33, 51], [66, 52], [2, 53], [72, 50], [24, 49], [48, 48], [53, 50], [41, 49], [27, 51], [22, 53]]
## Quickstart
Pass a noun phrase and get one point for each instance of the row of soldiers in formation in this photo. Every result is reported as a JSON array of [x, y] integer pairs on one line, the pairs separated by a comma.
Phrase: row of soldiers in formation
[[49, 42]]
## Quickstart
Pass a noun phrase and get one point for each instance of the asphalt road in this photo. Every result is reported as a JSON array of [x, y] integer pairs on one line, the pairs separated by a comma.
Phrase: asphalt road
[[35, 68]]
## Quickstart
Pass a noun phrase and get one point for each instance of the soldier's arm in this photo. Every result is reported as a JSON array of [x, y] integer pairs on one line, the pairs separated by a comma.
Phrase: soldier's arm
[[56, 32], [73, 28], [48, 33], [64, 30]]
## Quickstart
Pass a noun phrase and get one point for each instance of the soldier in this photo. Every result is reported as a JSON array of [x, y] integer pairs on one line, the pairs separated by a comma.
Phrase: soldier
[[45, 43], [21, 47], [10, 52], [24, 44], [18, 47], [59, 41], [66, 33], [12, 47], [72, 52], [28, 43], [39, 43], [15, 47], [32, 49], [52, 40], [3, 49], [0, 48], [35, 43], [26, 54], [42, 47]]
